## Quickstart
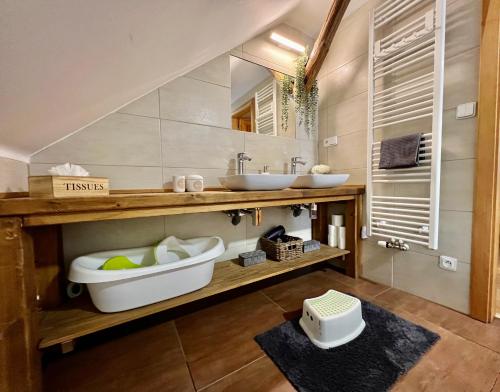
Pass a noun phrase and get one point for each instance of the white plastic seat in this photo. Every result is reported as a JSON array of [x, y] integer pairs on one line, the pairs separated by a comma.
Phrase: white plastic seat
[[332, 319]]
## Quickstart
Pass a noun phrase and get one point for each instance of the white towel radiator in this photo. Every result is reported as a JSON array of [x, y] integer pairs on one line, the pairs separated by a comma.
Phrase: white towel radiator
[[405, 95]]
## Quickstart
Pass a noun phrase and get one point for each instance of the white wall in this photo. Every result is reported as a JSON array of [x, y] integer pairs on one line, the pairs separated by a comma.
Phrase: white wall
[[343, 112], [181, 128], [13, 175]]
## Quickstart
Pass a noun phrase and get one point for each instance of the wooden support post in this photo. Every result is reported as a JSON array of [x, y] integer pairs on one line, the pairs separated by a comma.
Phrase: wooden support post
[[353, 226], [324, 40], [353, 222], [320, 224], [486, 224], [49, 265], [19, 358]]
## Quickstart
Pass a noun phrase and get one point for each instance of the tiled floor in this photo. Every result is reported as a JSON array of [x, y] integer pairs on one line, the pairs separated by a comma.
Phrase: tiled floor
[[213, 349]]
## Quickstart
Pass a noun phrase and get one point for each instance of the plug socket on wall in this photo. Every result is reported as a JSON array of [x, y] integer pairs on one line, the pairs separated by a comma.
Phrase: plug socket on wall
[[448, 263]]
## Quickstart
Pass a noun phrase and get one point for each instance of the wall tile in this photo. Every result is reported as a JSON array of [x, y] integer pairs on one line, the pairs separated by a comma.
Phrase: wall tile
[[455, 234], [197, 102], [148, 106], [457, 185], [89, 237], [350, 42], [322, 135], [348, 81], [13, 175], [209, 224], [216, 71], [463, 26], [272, 217], [350, 153], [120, 177], [376, 262], [356, 176], [461, 77], [348, 116], [459, 137], [420, 275], [199, 146], [270, 150], [210, 176], [119, 139], [323, 92]]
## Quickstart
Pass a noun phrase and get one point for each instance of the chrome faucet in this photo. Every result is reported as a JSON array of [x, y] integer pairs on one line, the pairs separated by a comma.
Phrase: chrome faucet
[[295, 161], [242, 157]]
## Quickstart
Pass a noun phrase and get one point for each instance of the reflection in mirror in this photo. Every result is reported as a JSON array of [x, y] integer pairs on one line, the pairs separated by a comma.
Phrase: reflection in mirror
[[255, 99]]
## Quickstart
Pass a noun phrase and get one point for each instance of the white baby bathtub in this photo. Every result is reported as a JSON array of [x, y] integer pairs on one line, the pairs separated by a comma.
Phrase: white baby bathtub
[[118, 290]]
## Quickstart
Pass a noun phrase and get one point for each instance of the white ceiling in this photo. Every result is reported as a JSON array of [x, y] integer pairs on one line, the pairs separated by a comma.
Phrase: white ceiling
[[66, 63], [309, 15]]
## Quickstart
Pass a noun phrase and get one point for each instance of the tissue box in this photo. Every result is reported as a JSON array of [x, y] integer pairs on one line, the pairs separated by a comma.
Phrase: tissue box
[[66, 186]]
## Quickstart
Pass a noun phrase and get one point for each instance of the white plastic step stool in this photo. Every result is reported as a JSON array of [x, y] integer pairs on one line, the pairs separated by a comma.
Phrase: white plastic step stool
[[332, 319]]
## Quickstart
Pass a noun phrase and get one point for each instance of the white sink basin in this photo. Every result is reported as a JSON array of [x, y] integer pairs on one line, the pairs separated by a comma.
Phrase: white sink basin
[[320, 180], [258, 182]]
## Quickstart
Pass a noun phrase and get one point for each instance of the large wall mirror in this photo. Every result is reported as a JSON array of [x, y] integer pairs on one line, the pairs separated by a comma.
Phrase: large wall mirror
[[256, 100]]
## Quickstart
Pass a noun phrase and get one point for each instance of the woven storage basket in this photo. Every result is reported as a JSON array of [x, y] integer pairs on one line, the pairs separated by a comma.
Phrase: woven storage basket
[[281, 251]]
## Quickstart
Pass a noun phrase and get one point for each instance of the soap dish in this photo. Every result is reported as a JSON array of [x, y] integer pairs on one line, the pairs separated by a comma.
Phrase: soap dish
[[250, 258]]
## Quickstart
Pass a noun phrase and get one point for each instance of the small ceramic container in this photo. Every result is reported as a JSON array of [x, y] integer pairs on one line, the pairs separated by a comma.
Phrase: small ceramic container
[[194, 183], [179, 184]]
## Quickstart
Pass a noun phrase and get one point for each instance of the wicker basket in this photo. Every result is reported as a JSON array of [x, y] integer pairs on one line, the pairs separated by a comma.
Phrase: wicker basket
[[281, 251]]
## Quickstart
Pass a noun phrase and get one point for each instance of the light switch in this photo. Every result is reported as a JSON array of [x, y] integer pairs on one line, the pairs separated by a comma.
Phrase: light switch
[[466, 110]]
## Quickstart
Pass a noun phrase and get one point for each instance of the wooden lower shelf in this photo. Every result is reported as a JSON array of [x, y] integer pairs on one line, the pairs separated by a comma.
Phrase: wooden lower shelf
[[81, 318]]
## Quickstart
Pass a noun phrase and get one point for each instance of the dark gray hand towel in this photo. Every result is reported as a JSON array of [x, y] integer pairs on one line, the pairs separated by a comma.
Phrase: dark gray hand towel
[[400, 152]]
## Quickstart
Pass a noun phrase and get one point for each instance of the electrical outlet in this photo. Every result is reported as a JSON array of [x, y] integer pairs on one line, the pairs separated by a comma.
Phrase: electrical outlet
[[331, 141], [448, 263]]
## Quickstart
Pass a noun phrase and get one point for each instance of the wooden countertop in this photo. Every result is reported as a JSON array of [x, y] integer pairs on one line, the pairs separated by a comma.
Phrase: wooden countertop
[[44, 211]]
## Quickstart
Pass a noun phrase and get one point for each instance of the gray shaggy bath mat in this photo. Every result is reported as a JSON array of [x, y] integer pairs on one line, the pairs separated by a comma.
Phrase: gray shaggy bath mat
[[387, 348]]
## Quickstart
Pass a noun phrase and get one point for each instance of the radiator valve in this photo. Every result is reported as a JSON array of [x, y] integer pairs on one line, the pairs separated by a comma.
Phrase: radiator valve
[[394, 244]]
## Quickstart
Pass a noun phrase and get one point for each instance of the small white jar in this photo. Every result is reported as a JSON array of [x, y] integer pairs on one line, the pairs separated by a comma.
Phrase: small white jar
[[179, 183], [194, 183]]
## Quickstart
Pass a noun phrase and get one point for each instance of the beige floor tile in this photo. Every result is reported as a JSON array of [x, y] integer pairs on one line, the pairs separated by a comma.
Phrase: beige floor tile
[[261, 375], [147, 360], [220, 339]]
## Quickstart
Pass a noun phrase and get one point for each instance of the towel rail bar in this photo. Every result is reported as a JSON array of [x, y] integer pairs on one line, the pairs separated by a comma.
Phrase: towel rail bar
[[425, 135], [397, 58], [401, 198], [402, 121], [408, 223]]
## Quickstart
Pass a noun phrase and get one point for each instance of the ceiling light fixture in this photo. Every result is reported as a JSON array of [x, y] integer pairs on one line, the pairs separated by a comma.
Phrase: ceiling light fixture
[[288, 42]]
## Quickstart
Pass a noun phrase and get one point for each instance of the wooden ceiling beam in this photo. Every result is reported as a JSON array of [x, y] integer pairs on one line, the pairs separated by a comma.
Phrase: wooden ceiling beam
[[324, 40]]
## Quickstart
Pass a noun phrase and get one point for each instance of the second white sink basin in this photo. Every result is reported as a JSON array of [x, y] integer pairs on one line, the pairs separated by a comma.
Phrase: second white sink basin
[[258, 182], [320, 180]]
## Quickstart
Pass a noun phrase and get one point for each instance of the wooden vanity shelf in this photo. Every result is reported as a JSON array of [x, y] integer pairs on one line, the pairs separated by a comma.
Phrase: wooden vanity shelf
[[34, 312], [70, 321]]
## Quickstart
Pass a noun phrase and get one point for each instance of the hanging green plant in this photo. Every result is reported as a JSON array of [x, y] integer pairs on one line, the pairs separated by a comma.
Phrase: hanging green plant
[[306, 102], [286, 94]]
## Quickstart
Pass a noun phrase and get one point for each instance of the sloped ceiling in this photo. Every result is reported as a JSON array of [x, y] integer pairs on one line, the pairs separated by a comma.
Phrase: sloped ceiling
[[309, 15], [66, 63]]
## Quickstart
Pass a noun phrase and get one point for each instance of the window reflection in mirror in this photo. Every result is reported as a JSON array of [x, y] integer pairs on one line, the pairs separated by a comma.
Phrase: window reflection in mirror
[[255, 99]]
